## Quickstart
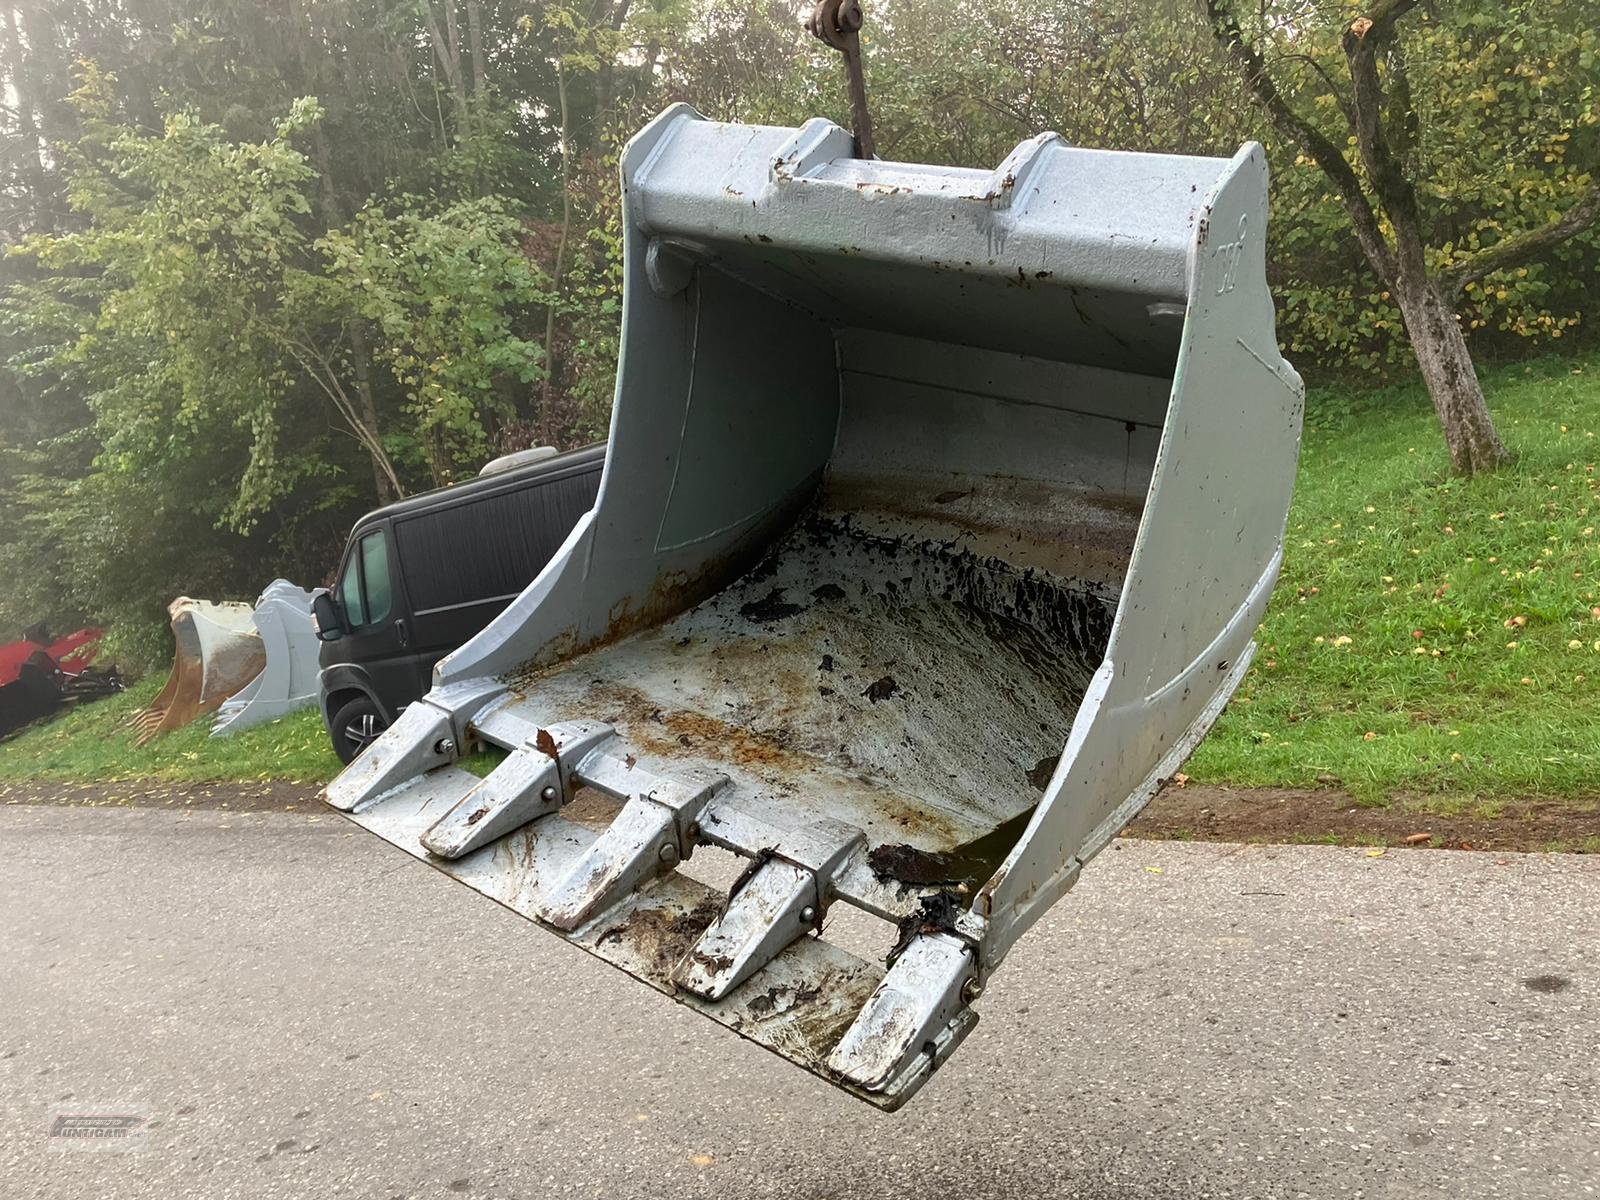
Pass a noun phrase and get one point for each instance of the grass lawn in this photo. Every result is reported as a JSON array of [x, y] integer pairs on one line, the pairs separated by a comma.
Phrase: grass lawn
[[1433, 634], [91, 743], [1433, 637]]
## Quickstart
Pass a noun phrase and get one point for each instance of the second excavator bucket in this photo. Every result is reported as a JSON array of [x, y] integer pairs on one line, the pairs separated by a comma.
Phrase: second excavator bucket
[[940, 509], [287, 680], [216, 652]]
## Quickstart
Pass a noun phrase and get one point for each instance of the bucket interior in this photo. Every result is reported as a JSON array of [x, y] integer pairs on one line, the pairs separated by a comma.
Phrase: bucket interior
[[909, 655]]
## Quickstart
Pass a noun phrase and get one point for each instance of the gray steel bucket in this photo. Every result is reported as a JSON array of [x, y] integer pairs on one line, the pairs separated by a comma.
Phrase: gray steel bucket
[[939, 511]]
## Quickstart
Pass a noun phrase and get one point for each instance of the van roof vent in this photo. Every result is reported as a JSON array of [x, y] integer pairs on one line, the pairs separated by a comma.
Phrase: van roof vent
[[518, 458]]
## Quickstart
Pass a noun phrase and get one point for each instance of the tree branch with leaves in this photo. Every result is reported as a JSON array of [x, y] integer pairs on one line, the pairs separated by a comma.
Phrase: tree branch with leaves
[[1380, 194]]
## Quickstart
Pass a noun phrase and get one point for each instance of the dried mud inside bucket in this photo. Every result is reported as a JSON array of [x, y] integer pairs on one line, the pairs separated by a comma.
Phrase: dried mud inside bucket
[[898, 683]]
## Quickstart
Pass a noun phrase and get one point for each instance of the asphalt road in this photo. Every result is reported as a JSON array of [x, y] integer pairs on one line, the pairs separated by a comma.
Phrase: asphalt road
[[296, 1009]]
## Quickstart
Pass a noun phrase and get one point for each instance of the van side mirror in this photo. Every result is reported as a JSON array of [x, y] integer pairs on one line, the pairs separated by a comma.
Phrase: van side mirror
[[326, 619]]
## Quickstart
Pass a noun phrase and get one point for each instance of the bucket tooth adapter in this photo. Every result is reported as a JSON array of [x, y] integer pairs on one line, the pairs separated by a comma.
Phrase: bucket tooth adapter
[[940, 509], [287, 680], [217, 651]]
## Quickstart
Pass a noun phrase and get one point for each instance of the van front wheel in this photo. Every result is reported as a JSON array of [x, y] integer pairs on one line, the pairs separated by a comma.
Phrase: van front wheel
[[356, 726]]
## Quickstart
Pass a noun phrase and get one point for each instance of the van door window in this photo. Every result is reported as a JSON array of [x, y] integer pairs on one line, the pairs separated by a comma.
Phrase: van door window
[[365, 589], [375, 572], [355, 611]]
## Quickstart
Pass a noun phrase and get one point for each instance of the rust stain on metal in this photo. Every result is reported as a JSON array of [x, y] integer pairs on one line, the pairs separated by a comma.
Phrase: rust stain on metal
[[805, 1021], [950, 619], [593, 809], [1028, 522], [197, 687], [715, 964], [657, 731], [989, 197], [735, 743], [673, 593], [663, 936], [781, 999]]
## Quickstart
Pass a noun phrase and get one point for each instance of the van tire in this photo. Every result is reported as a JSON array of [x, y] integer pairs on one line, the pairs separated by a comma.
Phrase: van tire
[[356, 726]]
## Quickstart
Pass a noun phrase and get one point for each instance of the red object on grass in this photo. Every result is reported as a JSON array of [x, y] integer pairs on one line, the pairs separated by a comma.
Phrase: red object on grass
[[77, 650], [71, 653]]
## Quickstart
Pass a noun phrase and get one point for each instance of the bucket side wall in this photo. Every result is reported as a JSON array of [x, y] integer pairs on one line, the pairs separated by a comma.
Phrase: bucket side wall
[[1208, 552]]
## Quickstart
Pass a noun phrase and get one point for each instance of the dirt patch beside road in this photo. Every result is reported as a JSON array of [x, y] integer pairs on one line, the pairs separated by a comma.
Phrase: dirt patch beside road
[[1193, 812], [1221, 814], [267, 796]]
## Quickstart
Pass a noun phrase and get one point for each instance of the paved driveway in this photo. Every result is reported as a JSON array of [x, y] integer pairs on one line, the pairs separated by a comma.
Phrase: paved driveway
[[299, 1010]]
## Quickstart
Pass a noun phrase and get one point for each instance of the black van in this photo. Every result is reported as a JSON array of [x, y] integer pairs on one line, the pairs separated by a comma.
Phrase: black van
[[420, 577]]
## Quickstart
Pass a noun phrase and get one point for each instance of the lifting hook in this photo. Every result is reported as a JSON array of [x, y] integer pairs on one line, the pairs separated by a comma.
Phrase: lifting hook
[[838, 23]]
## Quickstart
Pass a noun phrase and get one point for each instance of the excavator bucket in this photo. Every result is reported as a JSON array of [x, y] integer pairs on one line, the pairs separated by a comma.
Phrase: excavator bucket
[[288, 680], [217, 652], [940, 508]]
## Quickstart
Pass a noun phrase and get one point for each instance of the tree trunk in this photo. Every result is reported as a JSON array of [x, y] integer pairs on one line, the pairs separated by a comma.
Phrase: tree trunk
[[557, 271], [383, 472], [29, 144], [1384, 125], [447, 49], [385, 479], [1453, 385], [605, 78], [480, 70], [1425, 305]]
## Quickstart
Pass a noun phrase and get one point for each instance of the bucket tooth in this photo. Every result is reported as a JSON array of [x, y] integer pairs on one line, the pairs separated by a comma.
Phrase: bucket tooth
[[412, 745], [428, 734], [534, 780], [913, 1019], [523, 788], [783, 898], [650, 835], [776, 905]]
